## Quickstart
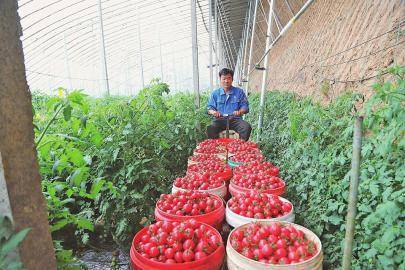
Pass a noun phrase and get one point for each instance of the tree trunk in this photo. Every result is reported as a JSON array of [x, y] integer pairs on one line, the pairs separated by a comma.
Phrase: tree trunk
[[17, 146]]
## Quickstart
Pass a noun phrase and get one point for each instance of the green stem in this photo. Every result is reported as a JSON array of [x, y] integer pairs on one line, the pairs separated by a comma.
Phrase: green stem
[[49, 124]]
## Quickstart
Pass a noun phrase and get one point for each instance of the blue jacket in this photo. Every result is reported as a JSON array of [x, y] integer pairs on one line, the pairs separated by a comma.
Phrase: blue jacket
[[228, 103]]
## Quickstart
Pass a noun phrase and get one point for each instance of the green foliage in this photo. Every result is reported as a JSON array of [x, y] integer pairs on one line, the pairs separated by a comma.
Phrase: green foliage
[[147, 141], [63, 137], [312, 145], [106, 161], [64, 166], [9, 241], [66, 259]]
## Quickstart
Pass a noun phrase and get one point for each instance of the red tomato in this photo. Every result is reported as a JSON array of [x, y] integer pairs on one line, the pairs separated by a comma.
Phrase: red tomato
[[200, 255], [188, 255]]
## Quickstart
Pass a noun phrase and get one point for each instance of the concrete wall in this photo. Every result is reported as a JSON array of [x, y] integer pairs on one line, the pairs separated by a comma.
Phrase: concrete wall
[[327, 28]]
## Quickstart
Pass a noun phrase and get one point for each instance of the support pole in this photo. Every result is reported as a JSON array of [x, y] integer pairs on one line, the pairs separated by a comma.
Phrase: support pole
[[127, 61], [195, 52], [175, 73], [251, 46], [216, 44], [289, 7], [229, 60], [241, 50], [127, 68], [160, 54], [103, 55], [265, 71], [246, 41], [353, 190], [140, 50], [210, 42], [67, 68], [285, 28]]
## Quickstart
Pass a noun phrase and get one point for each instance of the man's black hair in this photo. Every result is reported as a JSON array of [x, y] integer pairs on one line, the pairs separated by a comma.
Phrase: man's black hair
[[226, 71]]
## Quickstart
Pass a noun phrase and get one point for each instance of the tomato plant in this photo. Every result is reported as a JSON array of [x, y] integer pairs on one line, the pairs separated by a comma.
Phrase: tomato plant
[[105, 161], [312, 144]]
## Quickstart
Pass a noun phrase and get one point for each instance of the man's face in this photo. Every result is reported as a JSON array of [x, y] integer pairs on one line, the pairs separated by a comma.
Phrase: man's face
[[226, 81]]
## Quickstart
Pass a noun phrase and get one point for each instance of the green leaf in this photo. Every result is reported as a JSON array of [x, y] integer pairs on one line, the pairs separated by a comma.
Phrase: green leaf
[[14, 241], [97, 139], [85, 224], [390, 234], [69, 192], [122, 225], [59, 225], [129, 172], [115, 154], [76, 177], [12, 265], [96, 187], [335, 219], [68, 200], [76, 97], [76, 157], [164, 144], [67, 112], [55, 165], [85, 238], [374, 189], [371, 253], [137, 195]]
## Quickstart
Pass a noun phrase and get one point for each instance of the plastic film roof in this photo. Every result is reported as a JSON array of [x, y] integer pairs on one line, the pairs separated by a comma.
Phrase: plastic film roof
[[61, 42]]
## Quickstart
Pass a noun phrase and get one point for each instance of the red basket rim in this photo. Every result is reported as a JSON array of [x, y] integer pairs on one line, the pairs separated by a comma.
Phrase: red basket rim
[[163, 265]]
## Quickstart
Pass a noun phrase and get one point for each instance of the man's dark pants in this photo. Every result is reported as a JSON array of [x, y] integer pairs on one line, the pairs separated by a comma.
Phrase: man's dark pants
[[242, 127]]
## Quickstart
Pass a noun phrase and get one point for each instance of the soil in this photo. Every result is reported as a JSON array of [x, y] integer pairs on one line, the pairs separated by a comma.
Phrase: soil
[[103, 259]]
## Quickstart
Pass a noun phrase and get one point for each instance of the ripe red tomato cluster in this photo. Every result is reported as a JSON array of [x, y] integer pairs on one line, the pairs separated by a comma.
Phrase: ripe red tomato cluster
[[241, 146], [247, 157], [257, 167], [260, 206], [174, 242], [272, 244], [205, 158], [188, 203], [259, 181], [207, 167], [195, 181], [210, 146]]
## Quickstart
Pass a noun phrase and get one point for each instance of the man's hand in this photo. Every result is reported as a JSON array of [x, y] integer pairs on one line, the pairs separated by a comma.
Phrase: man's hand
[[214, 113], [237, 113], [240, 112]]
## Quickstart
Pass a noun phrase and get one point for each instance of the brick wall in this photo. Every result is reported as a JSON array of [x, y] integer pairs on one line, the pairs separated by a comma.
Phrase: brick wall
[[325, 30]]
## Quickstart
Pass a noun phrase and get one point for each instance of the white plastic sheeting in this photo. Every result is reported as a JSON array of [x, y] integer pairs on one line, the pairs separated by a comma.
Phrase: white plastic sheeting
[[61, 41]]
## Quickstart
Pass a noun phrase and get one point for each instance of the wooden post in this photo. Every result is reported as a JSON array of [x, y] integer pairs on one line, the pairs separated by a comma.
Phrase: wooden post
[[17, 146], [353, 193]]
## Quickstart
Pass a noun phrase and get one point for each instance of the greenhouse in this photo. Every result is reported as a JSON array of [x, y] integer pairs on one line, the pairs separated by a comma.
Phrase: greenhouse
[[202, 134]]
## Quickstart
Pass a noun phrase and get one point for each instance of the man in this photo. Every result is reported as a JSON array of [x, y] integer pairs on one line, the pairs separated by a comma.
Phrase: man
[[228, 100]]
